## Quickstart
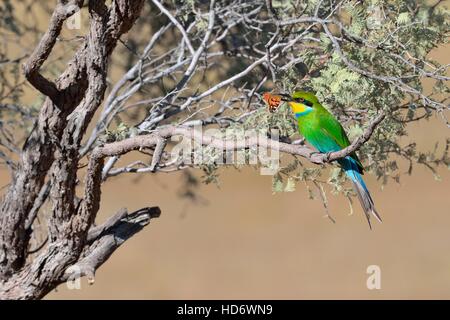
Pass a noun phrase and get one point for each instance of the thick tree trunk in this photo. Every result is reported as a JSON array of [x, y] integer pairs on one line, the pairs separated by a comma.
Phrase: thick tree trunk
[[52, 152]]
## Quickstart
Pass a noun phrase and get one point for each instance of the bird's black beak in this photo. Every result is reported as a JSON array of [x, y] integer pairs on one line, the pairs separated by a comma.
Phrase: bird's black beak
[[285, 97]]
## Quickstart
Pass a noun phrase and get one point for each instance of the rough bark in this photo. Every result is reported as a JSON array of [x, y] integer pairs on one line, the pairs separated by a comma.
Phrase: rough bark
[[52, 151]]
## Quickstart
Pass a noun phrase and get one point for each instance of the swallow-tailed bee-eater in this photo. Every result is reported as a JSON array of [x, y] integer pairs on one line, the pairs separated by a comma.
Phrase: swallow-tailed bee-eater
[[321, 129]]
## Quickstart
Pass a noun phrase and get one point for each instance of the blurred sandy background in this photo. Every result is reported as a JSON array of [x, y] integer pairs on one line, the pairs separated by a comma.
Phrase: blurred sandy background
[[246, 243], [242, 242]]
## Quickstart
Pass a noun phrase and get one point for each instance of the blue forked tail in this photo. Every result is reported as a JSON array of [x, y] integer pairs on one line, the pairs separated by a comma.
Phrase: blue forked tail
[[353, 172]]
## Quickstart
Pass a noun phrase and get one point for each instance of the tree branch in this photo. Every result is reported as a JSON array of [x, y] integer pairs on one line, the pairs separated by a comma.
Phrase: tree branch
[[31, 68], [150, 140], [107, 238]]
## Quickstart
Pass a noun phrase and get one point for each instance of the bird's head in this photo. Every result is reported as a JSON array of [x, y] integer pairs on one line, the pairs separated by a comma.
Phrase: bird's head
[[301, 102]]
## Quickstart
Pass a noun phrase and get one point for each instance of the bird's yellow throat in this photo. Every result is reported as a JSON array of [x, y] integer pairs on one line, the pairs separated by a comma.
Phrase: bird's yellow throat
[[299, 109]]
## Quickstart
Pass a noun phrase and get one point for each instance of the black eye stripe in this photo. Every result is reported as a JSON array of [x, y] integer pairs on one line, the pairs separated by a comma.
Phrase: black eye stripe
[[308, 103], [304, 101]]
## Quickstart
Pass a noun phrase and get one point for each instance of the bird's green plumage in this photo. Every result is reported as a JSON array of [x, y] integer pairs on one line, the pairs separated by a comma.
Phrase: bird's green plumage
[[321, 129]]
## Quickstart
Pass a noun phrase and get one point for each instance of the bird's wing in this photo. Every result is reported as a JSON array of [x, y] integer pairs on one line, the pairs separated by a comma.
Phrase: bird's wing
[[334, 130]]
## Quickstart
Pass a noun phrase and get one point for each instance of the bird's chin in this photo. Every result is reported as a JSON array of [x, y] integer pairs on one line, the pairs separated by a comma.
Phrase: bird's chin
[[297, 107]]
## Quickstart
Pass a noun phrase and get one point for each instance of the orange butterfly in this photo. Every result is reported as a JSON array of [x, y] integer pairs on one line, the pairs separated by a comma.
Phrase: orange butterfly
[[273, 101]]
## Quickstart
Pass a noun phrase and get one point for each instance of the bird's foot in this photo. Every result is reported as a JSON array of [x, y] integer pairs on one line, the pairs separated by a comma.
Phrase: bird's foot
[[328, 156]]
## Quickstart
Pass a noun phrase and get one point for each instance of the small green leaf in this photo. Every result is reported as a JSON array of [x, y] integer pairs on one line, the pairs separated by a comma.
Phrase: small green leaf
[[290, 185], [277, 184], [404, 18]]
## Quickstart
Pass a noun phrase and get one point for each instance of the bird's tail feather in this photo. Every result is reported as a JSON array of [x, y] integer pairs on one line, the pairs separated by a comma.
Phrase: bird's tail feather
[[351, 169]]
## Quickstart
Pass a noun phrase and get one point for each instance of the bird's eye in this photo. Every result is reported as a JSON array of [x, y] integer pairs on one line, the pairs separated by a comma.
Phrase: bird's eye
[[299, 99], [308, 103]]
